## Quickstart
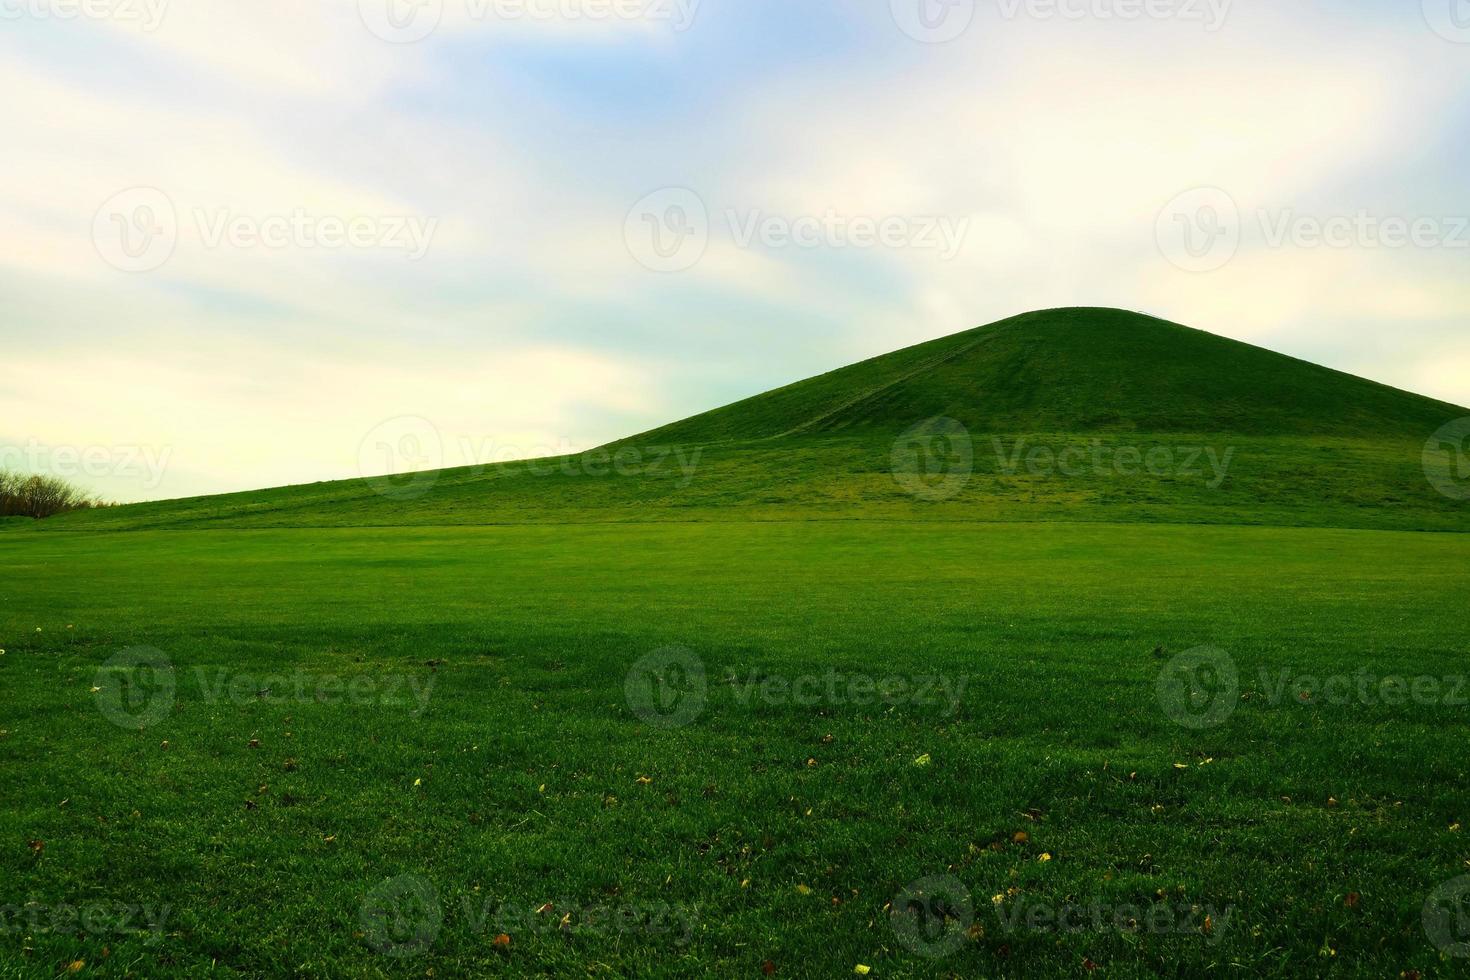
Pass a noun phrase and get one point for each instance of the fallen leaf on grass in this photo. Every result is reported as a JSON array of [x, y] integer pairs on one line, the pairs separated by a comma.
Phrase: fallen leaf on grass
[[502, 941], [36, 846], [922, 760]]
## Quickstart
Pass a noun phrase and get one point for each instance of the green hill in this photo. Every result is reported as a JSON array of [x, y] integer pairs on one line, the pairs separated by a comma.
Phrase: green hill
[[1074, 414], [1076, 370]]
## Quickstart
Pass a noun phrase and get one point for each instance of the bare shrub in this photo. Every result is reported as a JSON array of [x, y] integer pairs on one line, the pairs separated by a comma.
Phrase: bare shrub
[[40, 496]]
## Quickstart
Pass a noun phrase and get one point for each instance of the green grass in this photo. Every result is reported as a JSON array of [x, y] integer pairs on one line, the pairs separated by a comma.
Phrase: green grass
[[933, 673], [1059, 734]]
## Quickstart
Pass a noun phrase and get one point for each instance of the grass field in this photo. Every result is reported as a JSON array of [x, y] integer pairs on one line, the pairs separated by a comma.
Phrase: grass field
[[859, 676], [776, 824]]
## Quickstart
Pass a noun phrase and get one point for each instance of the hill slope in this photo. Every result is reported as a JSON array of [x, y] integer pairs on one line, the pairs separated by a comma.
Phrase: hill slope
[[1076, 414], [1075, 370]]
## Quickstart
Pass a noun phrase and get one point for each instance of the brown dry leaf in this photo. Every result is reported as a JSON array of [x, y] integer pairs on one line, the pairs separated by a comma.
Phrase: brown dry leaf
[[75, 966], [502, 941], [768, 968], [1020, 837], [1352, 900], [36, 846]]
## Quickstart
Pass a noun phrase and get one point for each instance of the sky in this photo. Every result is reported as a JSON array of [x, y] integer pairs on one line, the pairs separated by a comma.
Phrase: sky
[[246, 244]]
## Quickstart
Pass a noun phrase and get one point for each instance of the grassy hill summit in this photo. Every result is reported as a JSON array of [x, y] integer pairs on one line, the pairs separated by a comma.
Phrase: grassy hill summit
[[1072, 414], [1075, 370]]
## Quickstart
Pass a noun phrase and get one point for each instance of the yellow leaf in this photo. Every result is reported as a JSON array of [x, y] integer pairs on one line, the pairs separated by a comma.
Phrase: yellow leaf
[[418, 782], [1044, 858], [803, 890], [862, 970], [922, 760]]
